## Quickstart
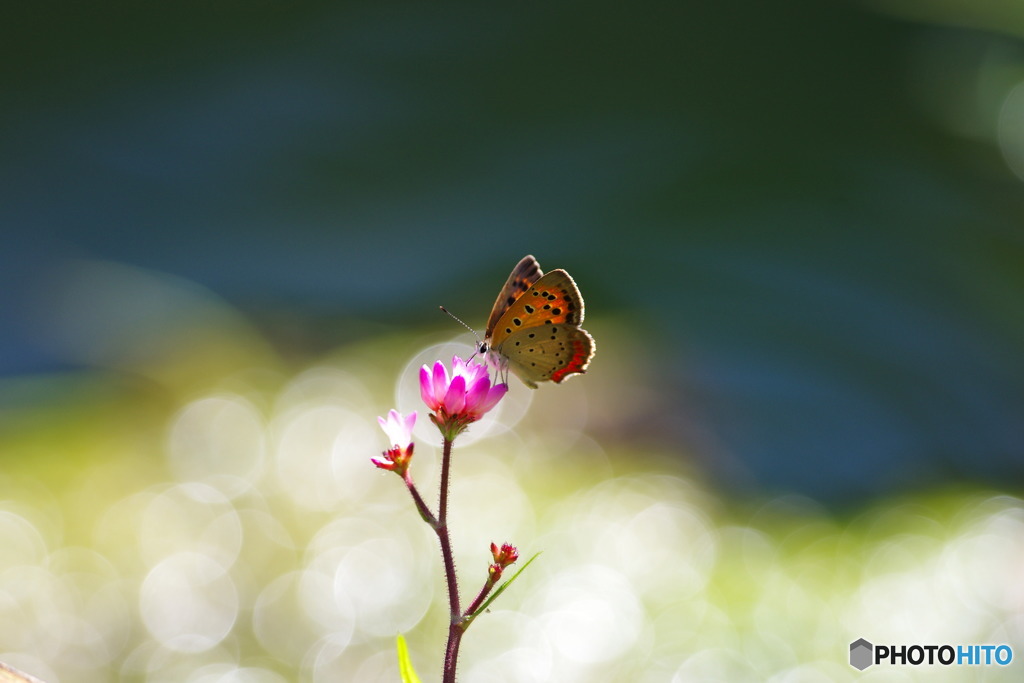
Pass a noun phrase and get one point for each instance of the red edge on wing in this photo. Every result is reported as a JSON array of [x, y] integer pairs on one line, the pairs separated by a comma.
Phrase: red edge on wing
[[577, 364]]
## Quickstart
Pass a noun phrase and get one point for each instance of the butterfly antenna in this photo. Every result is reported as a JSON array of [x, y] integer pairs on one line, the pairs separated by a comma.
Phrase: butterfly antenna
[[480, 347]]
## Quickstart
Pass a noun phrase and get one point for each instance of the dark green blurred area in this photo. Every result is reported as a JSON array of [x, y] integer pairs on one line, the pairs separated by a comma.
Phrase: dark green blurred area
[[802, 216]]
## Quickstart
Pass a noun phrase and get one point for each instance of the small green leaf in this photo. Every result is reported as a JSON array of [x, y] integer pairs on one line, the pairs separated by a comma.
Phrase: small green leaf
[[498, 591], [404, 663]]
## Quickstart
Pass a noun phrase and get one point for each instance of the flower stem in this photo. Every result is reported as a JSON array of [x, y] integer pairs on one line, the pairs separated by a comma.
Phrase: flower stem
[[451, 653], [421, 506], [484, 592]]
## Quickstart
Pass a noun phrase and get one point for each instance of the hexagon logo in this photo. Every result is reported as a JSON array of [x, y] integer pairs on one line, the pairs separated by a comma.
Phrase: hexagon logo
[[861, 654]]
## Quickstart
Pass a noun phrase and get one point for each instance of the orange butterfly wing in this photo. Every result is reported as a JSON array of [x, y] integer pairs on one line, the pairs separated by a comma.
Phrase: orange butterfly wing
[[553, 299], [526, 272], [538, 332]]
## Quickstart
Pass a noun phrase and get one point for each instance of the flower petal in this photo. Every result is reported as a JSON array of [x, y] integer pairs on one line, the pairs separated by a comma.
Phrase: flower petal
[[386, 426], [455, 400], [478, 370], [408, 424], [476, 395], [427, 388], [441, 381], [398, 427], [492, 398]]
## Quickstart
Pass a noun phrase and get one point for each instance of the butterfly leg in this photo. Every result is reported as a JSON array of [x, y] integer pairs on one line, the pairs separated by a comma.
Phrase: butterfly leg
[[500, 365]]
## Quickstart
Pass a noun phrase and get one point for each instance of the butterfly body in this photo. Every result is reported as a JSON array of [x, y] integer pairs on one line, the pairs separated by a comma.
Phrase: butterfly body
[[534, 328]]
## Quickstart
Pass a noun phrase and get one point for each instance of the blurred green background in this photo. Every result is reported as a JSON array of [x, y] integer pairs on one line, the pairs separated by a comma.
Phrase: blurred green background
[[226, 230]]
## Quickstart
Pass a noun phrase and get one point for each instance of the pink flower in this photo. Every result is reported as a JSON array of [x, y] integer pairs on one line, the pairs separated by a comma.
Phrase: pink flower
[[460, 399], [399, 432], [398, 427]]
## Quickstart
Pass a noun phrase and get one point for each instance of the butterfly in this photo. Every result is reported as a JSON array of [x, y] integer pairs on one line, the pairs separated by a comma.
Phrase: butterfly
[[534, 327]]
